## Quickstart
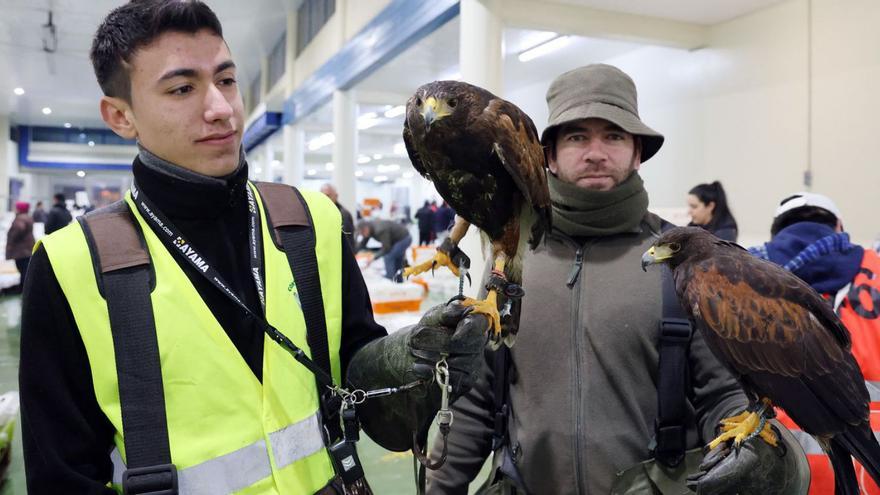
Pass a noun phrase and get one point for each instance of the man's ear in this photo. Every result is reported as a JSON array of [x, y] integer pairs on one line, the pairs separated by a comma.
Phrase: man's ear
[[637, 153], [117, 114]]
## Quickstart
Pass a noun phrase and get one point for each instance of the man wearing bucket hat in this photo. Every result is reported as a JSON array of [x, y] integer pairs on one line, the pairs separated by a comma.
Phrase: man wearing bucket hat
[[808, 239], [574, 406]]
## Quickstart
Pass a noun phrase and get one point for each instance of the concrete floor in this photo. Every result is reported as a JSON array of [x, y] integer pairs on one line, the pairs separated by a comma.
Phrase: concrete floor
[[389, 473]]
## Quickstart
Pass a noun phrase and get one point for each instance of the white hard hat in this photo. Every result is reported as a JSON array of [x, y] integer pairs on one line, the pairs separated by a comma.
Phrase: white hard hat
[[801, 199]]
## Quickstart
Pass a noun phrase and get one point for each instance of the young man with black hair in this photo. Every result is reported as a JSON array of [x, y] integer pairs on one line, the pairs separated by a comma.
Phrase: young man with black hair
[[237, 411], [808, 239]]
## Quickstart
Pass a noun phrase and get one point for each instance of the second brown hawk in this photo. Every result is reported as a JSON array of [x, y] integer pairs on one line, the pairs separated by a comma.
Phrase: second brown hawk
[[484, 157]]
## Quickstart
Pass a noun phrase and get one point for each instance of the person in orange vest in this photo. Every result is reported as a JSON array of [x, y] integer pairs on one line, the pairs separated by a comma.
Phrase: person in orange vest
[[807, 238]]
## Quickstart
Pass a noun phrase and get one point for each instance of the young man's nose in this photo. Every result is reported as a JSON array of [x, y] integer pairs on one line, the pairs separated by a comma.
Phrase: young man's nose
[[217, 107]]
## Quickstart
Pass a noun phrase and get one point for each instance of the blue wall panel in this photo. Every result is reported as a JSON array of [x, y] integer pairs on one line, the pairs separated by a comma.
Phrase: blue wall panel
[[24, 145], [260, 129], [397, 27]]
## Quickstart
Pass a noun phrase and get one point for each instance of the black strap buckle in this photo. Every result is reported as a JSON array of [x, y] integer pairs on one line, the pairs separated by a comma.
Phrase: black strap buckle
[[160, 479], [668, 445], [675, 330]]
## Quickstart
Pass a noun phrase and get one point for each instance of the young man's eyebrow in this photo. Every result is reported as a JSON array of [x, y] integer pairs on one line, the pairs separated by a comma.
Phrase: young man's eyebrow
[[184, 72], [229, 64], [188, 72]]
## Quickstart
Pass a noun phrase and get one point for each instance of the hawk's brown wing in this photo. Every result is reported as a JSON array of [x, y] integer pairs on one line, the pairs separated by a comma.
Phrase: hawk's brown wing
[[515, 141], [780, 336]]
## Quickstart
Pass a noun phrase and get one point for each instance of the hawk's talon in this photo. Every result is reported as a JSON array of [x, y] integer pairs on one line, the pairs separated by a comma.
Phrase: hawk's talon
[[747, 425], [489, 308]]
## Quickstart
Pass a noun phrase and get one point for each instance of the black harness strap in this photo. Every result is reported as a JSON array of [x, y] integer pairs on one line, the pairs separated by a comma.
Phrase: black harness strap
[[295, 235], [673, 378], [125, 277], [673, 375]]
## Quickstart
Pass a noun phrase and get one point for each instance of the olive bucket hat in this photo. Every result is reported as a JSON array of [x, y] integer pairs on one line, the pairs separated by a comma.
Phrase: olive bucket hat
[[599, 91]]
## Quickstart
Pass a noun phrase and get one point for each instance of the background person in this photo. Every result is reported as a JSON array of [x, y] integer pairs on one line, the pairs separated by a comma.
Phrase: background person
[[20, 239], [707, 205], [808, 239], [329, 190], [394, 238], [58, 216], [425, 220], [39, 214]]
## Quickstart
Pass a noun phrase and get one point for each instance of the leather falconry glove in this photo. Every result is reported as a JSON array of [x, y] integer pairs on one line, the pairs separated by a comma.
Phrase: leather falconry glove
[[411, 354], [757, 468]]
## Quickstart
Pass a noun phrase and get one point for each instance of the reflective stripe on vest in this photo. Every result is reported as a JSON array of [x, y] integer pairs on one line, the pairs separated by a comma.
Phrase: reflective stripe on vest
[[246, 466], [224, 425]]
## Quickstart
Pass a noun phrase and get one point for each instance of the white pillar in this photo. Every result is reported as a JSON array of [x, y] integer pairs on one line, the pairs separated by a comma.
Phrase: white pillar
[[7, 162], [268, 157], [294, 162], [482, 33], [481, 64], [345, 146]]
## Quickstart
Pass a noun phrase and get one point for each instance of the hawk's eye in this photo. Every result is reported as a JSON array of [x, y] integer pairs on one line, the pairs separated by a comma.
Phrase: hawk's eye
[[418, 102], [452, 103], [675, 247]]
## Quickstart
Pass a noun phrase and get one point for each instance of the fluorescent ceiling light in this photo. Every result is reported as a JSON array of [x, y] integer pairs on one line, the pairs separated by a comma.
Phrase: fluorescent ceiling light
[[380, 178], [276, 163], [67, 125], [325, 139], [80, 173], [408, 175], [329, 166], [47, 110], [18, 91], [391, 167], [312, 171], [377, 156], [395, 111], [533, 39], [359, 173], [544, 48], [364, 159], [363, 124], [91, 143], [400, 149]]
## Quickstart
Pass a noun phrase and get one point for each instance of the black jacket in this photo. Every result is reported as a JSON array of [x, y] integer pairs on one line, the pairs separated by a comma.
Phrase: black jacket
[[58, 218], [66, 436]]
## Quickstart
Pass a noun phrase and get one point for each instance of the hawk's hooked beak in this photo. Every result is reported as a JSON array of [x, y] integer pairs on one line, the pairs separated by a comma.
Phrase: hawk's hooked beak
[[429, 116], [656, 254], [432, 111]]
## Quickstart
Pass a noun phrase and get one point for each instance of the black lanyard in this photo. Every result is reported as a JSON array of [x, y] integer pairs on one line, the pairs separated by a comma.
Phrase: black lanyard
[[176, 243]]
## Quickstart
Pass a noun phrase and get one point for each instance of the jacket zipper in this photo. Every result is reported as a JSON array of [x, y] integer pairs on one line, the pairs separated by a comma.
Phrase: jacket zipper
[[573, 283]]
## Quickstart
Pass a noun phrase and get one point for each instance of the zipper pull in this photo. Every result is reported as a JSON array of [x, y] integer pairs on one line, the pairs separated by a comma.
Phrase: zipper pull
[[576, 269]]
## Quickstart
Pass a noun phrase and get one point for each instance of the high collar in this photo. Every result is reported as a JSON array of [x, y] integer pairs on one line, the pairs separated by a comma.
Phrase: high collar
[[827, 273], [182, 193]]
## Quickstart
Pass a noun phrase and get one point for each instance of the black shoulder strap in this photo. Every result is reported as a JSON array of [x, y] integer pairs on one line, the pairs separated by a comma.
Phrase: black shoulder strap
[[289, 217], [673, 375], [500, 395], [125, 276]]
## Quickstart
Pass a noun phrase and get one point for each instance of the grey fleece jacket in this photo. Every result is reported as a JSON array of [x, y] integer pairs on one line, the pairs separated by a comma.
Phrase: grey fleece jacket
[[583, 392]]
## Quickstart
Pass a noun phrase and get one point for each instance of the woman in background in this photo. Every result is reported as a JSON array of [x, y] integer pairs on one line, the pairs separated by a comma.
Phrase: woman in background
[[20, 239], [707, 205]]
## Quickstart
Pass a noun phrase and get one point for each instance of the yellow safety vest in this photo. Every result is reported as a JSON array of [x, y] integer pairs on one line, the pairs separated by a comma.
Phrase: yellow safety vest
[[228, 433]]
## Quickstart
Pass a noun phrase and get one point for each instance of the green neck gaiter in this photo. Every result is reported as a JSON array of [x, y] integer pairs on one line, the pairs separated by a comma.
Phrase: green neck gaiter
[[579, 212]]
